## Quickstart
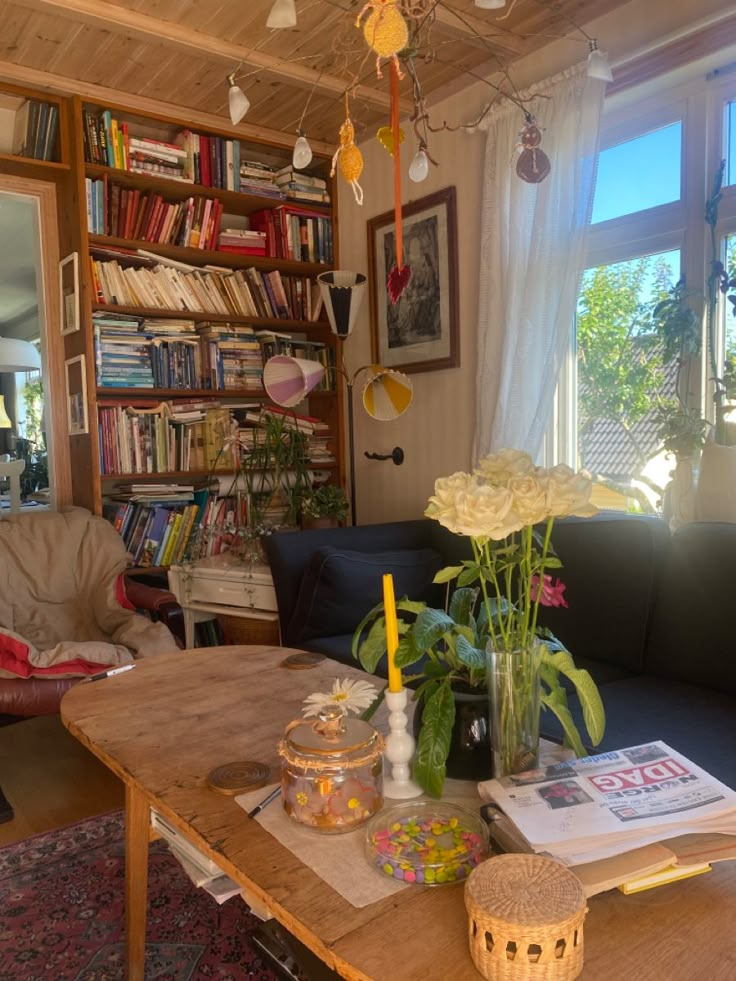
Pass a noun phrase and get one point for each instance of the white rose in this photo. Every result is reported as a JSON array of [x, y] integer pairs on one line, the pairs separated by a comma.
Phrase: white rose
[[446, 492], [529, 494], [498, 468], [569, 492], [485, 512]]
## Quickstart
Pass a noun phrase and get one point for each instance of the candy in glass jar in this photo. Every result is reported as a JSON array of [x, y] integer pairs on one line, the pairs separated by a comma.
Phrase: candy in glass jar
[[331, 771]]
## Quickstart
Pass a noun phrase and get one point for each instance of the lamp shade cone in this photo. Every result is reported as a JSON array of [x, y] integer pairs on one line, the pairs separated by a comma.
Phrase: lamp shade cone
[[387, 394], [17, 355], [288, 380], [5, 422], [342, 294]]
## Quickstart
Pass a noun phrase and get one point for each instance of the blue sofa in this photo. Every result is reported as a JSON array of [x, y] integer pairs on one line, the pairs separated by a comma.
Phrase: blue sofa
[[648, 614]]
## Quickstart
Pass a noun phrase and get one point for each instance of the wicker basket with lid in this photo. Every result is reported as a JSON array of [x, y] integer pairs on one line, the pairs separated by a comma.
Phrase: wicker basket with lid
[[526, 917]]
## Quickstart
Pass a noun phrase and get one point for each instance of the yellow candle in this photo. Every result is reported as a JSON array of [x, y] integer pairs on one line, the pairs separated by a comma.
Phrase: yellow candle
[[392, 633]]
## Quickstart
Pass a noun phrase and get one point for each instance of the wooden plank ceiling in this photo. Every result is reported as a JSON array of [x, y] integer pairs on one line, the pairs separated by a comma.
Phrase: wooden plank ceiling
[[180, 51]]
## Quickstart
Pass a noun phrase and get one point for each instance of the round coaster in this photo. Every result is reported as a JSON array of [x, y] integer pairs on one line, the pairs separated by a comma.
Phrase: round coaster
[[236, 778], [305, 659]]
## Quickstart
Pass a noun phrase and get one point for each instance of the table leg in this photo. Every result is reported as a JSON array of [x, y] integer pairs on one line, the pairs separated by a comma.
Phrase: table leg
[[137, 824], [188, 628]]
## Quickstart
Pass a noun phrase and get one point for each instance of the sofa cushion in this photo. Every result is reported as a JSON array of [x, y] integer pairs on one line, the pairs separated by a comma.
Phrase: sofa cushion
[[340, 587], [695, 721], [610, 566]]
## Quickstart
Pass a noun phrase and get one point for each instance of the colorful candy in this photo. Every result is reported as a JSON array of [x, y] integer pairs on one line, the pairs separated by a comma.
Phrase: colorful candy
[[429, 849]]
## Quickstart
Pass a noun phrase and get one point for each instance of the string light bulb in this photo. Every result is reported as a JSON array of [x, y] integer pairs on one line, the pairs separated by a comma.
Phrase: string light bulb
[[302, 155], [419, 167], [283, 14], [598, 66], [237, 100]]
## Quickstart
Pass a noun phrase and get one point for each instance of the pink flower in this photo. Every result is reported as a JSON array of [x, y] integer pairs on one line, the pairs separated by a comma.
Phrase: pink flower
[[550, 593]]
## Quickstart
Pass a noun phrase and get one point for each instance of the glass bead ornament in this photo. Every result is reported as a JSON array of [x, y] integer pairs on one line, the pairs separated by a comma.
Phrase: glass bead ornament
[[419, 167], [533, 164], [302, 155]]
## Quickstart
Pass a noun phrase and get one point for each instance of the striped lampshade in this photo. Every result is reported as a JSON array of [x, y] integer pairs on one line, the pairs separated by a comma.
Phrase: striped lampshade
[[387, 394], [288, 380], [342, 294]]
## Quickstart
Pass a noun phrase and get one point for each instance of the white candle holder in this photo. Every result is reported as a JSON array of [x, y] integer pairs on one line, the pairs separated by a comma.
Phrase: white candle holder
[[399, 750]]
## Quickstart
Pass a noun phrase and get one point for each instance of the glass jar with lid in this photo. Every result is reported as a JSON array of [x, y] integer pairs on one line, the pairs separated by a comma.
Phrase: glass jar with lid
[[331, 771]]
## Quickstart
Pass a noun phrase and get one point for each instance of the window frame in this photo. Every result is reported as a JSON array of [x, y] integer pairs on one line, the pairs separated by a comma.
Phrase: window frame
[[700, 105]]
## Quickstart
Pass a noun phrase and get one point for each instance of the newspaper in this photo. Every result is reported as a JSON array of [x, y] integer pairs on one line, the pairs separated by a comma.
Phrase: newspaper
[[586, 810]]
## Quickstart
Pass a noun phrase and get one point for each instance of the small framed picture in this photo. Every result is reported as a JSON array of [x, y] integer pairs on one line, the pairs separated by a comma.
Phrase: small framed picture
[[420, 331], [76, 395], [69, 293]]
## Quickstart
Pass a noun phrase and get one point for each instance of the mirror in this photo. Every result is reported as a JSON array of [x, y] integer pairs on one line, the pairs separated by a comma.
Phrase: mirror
[[22, 319]]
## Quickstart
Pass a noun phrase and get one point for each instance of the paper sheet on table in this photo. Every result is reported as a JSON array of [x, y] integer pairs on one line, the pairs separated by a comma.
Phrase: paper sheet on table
[[340, 860]]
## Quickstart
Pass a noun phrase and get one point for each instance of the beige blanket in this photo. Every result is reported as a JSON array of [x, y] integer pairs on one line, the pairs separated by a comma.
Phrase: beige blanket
[[58, 576]]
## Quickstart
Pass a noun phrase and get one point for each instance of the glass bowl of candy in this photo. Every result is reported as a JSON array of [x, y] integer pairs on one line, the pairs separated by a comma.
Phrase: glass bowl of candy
[[429, 843]]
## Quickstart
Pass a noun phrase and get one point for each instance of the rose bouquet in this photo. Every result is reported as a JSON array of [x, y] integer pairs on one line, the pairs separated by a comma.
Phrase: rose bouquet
[[488, 634]]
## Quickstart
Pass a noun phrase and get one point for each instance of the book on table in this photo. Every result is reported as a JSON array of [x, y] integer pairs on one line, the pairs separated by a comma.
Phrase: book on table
[[617, 818]]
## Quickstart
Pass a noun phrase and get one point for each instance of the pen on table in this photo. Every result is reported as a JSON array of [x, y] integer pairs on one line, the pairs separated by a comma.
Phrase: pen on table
[[110, 673], [265, 802]]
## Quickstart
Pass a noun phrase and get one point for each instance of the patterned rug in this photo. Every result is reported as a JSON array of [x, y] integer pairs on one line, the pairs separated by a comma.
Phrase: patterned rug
[[62, 913]]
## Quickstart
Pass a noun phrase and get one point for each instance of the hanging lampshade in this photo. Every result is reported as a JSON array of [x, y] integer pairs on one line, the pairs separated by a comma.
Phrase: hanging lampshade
[[598, 66], [387, 394], [5, 422], [238, 101], [288, 380], [17, 355], [283, 14], [342, 294]]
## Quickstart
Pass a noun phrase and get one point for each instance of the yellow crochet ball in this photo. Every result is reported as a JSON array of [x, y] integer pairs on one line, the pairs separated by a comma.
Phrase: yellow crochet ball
[[385, 31], [351, 163]]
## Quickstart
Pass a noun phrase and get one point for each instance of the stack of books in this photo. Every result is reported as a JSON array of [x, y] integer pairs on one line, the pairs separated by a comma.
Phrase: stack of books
[[211, 161], [242, 241], [155, 521], [145, 156], [302, 187], [631, 818], [259, 178], [35, 130], [122, 351], [231, 357], [317, 432]]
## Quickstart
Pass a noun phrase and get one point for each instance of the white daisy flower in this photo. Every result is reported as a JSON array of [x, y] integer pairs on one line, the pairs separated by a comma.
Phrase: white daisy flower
[[352, 696]]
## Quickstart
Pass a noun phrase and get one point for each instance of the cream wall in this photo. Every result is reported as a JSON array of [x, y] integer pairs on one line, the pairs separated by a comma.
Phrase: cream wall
[[436, 433]]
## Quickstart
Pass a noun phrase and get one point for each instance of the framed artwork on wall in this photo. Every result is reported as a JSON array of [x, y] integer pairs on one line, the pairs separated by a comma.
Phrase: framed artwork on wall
[[69, 293], [76, 395], [420, 331]]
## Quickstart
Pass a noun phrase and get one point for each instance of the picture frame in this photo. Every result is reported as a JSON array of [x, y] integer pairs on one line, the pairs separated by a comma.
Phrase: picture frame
[[420, 331], [69, 294], [76, 395]]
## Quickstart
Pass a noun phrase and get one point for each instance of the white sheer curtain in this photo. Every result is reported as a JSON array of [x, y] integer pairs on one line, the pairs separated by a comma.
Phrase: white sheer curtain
[[531, 258]]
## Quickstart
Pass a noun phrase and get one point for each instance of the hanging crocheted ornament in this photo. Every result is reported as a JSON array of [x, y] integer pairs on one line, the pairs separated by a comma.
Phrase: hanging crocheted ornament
[[385, 136], [533, 164], [398, 278], [348, 157], [385, 31]]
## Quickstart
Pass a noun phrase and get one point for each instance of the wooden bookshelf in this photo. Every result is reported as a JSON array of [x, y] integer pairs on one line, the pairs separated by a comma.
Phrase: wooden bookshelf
[[277, 323], [91, 486], [234, 202]]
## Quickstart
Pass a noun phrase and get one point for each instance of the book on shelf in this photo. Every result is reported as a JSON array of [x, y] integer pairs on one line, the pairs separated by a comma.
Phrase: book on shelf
[[617, 818], [35, 130]]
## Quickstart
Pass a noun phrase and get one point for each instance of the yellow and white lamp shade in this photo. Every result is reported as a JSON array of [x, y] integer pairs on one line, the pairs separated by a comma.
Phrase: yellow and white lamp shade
[[387, 394]]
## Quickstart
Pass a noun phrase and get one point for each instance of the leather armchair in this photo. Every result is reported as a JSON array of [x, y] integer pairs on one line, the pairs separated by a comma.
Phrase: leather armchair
[[63, 580]]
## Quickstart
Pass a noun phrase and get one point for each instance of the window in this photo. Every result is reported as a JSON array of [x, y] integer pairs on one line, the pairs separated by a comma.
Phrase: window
[[647, 231]]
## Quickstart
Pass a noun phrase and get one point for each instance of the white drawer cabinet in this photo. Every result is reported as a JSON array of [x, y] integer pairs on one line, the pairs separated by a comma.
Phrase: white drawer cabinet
[[222, 585]]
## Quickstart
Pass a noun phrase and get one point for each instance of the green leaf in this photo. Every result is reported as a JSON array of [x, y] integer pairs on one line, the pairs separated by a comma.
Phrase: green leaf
[[594, 715], [447, 574], [471, 574], [407, 652], [433, 744], [373, 647], [429, 627], [560, 709], [468, 654], [462, 604]]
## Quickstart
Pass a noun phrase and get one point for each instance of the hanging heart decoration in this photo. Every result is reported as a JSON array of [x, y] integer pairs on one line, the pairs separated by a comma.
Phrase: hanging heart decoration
[[385, 136]]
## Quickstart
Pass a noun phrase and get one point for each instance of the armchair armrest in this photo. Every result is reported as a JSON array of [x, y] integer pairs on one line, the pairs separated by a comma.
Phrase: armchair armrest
[[162, 602]]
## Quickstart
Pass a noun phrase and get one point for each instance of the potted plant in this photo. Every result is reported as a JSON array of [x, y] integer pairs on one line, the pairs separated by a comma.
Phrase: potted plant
[[323, 507], [487, 642]]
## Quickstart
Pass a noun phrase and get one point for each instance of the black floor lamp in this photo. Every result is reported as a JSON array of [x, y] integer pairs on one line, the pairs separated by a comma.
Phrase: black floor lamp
[[387, 394]]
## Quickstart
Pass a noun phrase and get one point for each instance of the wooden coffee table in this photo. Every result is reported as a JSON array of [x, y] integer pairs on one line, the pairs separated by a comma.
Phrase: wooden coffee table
[[165, 725]]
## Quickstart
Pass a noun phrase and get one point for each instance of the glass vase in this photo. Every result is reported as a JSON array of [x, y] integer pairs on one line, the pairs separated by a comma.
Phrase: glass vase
[[514, 696]]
